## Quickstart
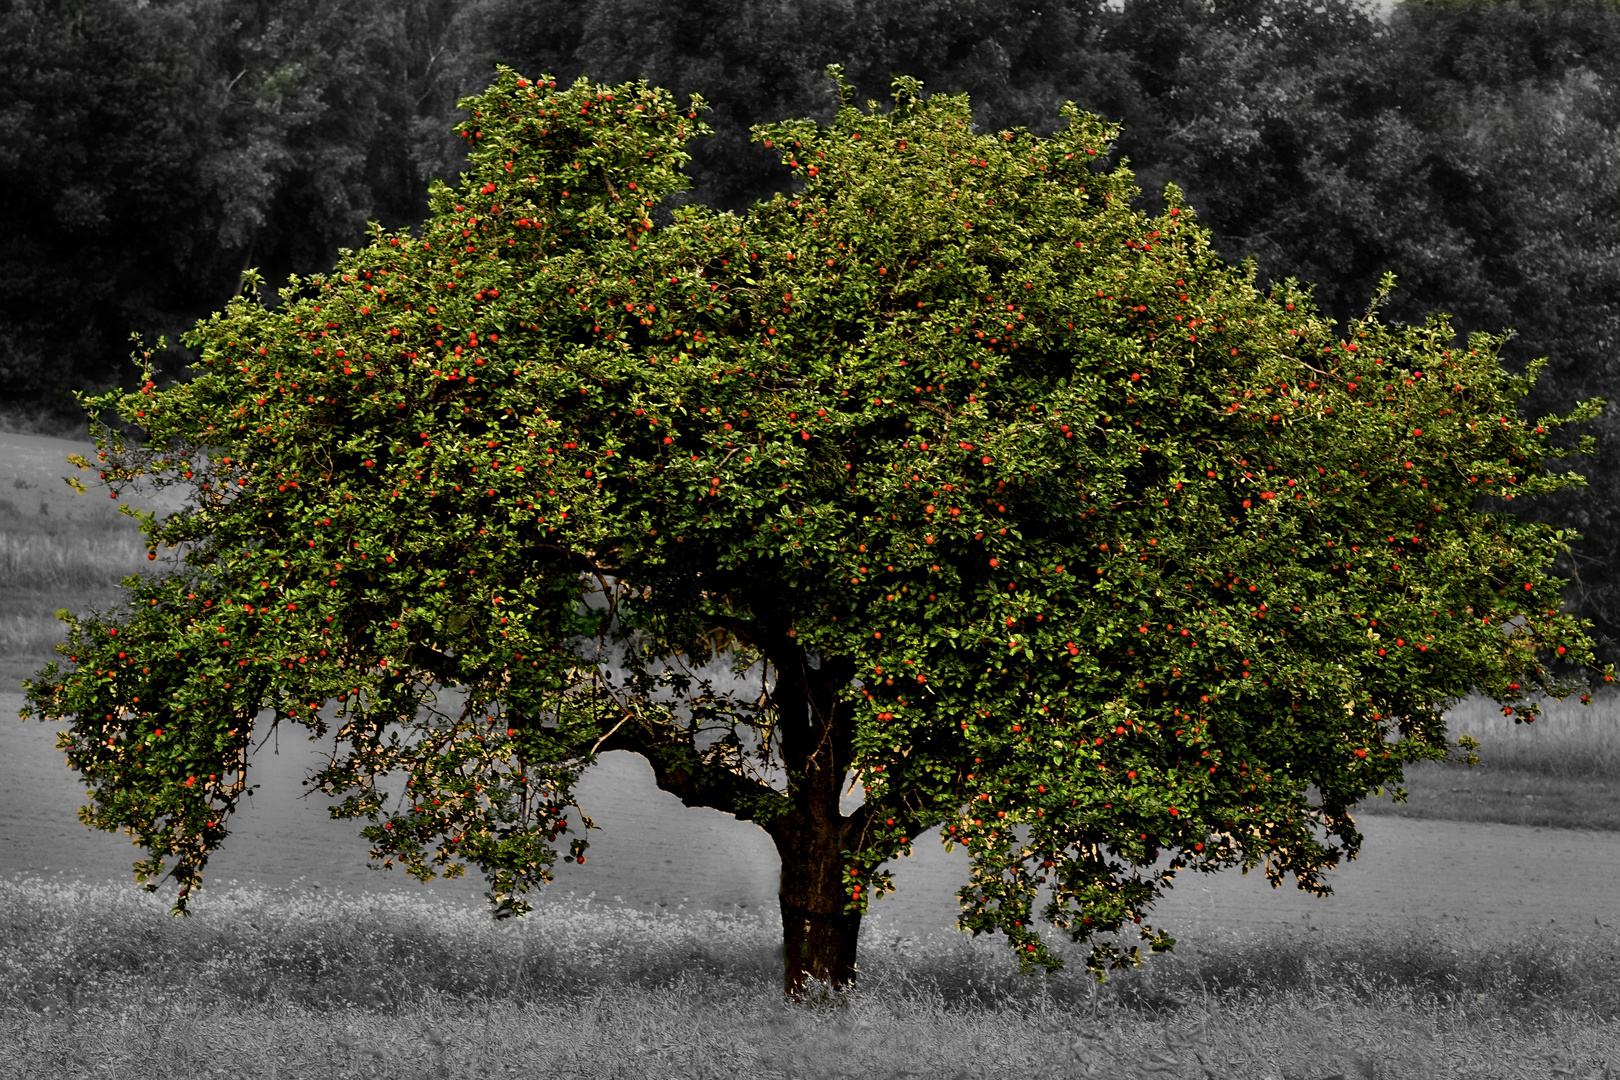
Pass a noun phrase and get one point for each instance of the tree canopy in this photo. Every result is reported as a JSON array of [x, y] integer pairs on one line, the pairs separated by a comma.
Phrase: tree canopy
[[1462, 145], [1051, 531]]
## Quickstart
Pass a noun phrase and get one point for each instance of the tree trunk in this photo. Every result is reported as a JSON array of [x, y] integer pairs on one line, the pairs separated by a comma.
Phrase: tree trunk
[[815, 737], [818, 936]]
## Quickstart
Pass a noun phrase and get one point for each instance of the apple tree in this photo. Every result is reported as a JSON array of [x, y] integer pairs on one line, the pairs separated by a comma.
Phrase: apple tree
[[1050, 531]]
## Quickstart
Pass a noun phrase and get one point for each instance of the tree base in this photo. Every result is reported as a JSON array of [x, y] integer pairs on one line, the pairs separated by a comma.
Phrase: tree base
[[818, 946]]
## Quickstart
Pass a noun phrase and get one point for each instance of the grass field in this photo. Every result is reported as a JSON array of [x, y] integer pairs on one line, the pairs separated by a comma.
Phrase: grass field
[[47, 563], [1561, 772], [100, 981]]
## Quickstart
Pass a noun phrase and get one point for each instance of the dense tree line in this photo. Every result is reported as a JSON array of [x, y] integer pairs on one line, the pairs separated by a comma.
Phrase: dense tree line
[[153, 151], [156, 149]]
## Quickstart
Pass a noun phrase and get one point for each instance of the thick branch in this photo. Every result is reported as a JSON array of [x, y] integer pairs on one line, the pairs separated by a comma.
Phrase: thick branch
[[584, 561], [680, 770], [779, 649]]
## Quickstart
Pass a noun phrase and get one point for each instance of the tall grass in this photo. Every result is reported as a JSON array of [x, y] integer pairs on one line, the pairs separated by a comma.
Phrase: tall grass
[[1570, 739], [98, 979], [70, 562], [28, 635], [1562, 772], [42, 572], [48, 563]]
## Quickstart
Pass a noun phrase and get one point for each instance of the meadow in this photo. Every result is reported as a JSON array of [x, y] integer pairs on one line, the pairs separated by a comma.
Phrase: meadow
[[57, 548], [1561, 772], [100, 981], [46, 564]]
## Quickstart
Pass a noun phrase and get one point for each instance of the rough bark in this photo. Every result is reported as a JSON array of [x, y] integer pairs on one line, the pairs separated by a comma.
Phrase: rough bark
[[818, 935]]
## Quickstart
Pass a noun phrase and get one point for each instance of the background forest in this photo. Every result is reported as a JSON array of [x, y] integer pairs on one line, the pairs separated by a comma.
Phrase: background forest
[[152, 150]]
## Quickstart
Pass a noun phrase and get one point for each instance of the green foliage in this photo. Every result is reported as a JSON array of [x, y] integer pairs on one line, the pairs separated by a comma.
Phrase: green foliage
[[1055, 533], [1460, 145]]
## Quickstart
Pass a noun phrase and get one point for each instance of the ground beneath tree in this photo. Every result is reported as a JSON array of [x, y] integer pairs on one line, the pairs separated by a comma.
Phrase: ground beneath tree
[[1479, 874], [1511, 796]]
